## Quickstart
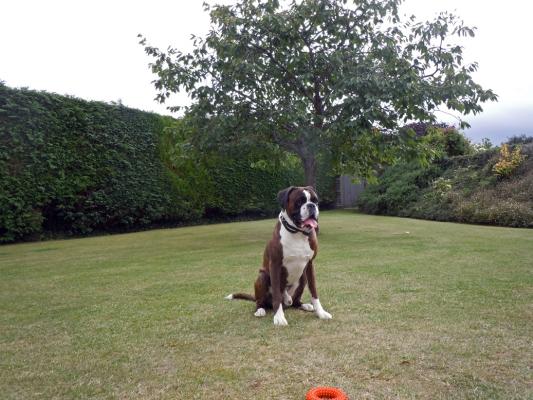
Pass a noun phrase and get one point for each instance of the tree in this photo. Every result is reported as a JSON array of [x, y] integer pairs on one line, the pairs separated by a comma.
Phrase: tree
[[318, 74]]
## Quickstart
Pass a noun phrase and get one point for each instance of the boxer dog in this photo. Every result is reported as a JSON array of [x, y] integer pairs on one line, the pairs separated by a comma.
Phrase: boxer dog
[[288, 258]]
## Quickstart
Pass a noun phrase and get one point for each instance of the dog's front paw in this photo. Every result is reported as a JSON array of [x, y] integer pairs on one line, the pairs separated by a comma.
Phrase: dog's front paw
[[320, 312], [279, 317], [307, 307], [323, 314]]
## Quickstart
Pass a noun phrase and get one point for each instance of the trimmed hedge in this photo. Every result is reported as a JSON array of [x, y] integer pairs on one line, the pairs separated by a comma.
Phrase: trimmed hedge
[[72, 167]]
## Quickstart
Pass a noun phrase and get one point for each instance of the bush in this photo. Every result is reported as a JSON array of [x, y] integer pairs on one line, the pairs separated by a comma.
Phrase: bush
[[448, 142], [73, 167], [421, 128], [245, 186], [241, 178], [509, 161], [463, 189], [398, 187], [521, 139]]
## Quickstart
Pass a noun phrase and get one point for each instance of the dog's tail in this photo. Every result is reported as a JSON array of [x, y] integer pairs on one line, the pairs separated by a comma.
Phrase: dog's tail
[[240, 296]]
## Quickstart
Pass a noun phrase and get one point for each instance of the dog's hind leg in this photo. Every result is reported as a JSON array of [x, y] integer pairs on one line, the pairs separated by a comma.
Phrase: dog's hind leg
[[260, 312], [263, 298]]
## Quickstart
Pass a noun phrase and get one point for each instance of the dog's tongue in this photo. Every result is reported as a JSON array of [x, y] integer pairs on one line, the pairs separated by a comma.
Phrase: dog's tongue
[[311, 222]]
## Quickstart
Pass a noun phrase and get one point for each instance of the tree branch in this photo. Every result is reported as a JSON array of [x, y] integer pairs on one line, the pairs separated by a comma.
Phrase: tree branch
[[269, 54]]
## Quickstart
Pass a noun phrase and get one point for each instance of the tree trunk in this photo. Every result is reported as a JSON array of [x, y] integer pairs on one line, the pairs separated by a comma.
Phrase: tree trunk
[[310, 170]]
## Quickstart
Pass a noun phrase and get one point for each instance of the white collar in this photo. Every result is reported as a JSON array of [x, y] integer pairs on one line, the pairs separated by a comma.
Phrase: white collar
[[290, 226]]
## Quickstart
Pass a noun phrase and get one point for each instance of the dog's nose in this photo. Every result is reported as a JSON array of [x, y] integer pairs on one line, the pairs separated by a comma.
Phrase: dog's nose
[[311, 207]]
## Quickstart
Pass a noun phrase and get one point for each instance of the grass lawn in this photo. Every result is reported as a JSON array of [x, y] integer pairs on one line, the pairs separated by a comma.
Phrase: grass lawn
[[420, 310]]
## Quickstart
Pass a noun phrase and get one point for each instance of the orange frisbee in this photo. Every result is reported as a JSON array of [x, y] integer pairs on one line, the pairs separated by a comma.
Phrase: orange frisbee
[[323, 392]]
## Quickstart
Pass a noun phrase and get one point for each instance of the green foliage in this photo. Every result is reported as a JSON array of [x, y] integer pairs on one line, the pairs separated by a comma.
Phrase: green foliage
[[73, 167], [398, 187], [184, 165], [448, 142], [509, 161], [326, 182], [318, 74], [243, 178], [463, 189], [519, 139], [484, 146], [240, 185]]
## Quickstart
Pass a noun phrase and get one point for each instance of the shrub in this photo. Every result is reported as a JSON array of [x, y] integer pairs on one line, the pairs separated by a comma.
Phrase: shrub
[[485, 145], [73, 167], [509, 161], [487, 207], [422, 128], [463, 189], [519, 139], [244, 186], [441, 186], [398, 186], [448, 142]]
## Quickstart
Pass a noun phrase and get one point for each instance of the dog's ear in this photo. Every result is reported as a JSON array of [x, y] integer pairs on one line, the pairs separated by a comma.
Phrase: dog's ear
[[283, 197], [312, 190]]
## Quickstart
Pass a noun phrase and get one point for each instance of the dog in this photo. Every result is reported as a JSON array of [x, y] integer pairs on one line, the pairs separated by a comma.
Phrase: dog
[[288, 258]]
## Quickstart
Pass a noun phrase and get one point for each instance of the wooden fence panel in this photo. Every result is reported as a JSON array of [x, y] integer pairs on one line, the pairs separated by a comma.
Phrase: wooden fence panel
[[348, 192]]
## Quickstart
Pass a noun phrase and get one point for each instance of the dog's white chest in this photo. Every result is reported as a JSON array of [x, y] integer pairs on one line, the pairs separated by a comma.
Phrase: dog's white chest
[[296, 254]]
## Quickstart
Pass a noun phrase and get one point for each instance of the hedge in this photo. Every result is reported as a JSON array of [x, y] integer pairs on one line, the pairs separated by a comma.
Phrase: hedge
[[72, 167]]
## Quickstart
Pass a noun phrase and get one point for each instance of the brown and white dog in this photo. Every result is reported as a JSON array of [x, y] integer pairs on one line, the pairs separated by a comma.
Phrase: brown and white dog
[[288, 258]]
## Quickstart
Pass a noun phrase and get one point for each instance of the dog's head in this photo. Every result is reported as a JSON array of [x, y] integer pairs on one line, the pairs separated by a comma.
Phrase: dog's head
[[301, 206]]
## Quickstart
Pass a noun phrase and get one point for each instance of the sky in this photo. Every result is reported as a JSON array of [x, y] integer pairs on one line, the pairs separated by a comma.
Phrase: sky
[[90, 49]]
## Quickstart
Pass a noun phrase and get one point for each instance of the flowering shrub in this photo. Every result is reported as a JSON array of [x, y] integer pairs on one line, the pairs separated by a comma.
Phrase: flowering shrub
[[485, 145], [509, 161], [441, 186], [462, 189]]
